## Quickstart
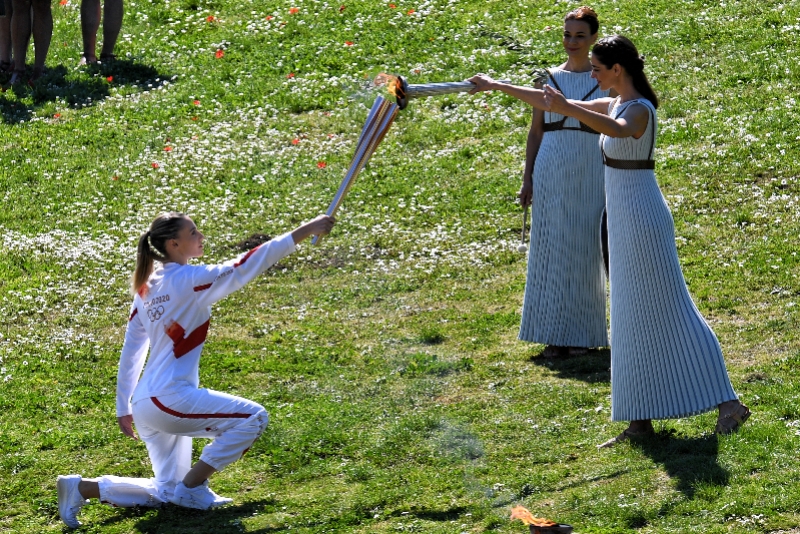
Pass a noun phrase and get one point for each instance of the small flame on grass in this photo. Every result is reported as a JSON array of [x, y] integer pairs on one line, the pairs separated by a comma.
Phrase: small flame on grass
[[392, 83], [522, 513]]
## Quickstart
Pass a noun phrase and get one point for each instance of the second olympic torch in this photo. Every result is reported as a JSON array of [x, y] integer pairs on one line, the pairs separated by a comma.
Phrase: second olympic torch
[[404, 91]]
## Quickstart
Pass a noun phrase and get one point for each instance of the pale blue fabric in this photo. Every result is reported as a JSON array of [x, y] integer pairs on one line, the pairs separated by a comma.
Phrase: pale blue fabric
[[565, 291], [666, 361]]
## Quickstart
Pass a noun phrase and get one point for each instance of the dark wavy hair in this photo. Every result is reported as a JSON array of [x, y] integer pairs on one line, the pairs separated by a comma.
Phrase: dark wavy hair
[[585, 14], [152, 246], [617, 49]]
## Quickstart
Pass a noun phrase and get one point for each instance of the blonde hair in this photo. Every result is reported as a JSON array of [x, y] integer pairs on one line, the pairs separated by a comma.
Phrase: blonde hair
[[152, 246]]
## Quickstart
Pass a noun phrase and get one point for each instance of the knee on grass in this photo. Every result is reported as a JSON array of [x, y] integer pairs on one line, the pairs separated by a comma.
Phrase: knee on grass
[[234, 442]]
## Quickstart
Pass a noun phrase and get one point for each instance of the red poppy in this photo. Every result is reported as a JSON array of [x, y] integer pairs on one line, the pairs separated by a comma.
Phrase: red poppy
[[110, 79], [321, 164], [115, 177], [196, 102], [341, 8], [211, 18], [270, 17], [411, 11], [295, 141], [294, 11], [219, 54], [290, 75], [57, 116], [392, 6], [155, 165], [348, 43], [63, 2], [167, 149], [194, 118]]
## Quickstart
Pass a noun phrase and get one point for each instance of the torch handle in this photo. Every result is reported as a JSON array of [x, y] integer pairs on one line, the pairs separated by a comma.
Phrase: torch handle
[[419, 90]]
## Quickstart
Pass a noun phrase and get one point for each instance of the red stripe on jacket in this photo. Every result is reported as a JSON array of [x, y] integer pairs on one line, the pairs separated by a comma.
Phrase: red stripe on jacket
[[135, 311], [198, 415], [246, 256], [250, 252], [184, 345]]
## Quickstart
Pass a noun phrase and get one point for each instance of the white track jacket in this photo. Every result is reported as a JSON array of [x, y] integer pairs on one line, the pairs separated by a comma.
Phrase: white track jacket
[[172, 319]]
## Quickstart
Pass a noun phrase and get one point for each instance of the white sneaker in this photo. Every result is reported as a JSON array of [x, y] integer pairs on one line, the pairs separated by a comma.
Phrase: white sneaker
[[70, 500], [200, 497]]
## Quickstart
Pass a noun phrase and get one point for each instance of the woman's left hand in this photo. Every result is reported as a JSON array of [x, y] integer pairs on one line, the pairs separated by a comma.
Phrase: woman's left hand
[[555, 101], [126, 425]]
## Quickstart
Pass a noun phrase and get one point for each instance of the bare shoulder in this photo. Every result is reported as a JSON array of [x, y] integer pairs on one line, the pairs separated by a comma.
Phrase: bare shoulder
[[636, 115], [636, 112]]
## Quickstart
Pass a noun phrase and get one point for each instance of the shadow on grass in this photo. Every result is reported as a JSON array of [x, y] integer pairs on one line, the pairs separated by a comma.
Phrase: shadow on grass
[[87, 88], [174, 519], [592, 368], [591, 480], [688, 461]]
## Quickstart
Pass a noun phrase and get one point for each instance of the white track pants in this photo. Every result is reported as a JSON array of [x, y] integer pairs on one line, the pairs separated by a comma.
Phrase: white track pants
[[167, 425]]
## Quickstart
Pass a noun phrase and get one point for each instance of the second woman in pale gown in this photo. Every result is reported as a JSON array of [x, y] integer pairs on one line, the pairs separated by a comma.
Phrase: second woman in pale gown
[[564, 306]]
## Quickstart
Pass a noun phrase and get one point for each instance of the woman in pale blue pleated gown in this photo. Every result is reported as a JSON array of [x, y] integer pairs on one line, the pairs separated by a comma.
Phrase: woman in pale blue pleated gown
[[564, 306], [666, 361]]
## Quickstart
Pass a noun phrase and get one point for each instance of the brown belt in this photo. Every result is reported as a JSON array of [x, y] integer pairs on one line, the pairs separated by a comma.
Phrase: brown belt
[[629, 164], [559, 125]]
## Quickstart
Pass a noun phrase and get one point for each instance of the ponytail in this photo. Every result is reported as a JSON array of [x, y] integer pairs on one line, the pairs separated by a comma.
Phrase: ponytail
[[152, 247], [617, 49]]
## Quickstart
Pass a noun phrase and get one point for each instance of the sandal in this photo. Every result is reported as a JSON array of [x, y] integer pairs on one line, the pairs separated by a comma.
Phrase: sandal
[[625, 435], [554, 351], [730, 422], [577, 351]]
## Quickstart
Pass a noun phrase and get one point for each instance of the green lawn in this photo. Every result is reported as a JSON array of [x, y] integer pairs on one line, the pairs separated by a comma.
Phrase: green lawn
[[400, 399]]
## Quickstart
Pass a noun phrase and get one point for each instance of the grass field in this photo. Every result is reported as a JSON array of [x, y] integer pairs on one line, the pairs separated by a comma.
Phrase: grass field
[[400, 399]]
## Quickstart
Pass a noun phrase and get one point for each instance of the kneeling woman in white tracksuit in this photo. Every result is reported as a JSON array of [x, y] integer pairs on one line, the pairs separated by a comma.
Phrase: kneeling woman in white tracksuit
[[170, 315]]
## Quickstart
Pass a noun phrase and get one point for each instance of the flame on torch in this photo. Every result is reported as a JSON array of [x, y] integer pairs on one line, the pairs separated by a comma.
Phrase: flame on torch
[[522, 513], [393, 84]]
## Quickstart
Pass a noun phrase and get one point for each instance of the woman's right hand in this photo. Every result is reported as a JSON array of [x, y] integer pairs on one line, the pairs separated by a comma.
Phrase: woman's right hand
[[319, 226], [126, 425], [525, 194], [482, 83], [322, 225], [555, 100]]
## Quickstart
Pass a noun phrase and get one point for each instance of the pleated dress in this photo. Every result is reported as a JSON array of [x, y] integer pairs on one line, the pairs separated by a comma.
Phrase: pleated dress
[[565, 289], [666, 361]]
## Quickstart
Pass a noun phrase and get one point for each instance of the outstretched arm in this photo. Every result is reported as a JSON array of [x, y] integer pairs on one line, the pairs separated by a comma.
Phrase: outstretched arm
[[214, 282], [534, 97], [594, 113]]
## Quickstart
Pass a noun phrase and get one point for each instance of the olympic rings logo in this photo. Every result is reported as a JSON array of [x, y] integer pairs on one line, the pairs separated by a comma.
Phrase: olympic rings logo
[[155, 313]]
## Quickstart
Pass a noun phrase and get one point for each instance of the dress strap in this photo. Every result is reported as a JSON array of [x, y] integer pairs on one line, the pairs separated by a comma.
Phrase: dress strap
[[559, 125], [635, 164], [595, 88], [553, 79]]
